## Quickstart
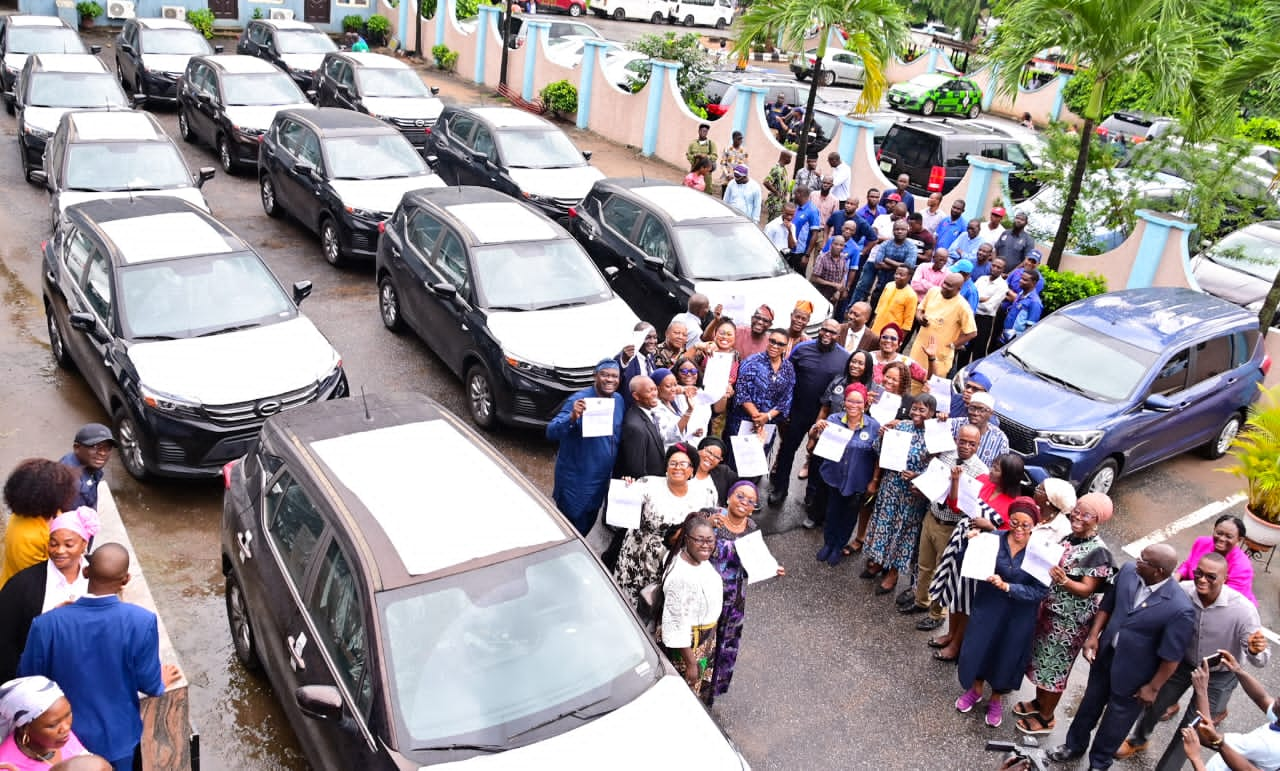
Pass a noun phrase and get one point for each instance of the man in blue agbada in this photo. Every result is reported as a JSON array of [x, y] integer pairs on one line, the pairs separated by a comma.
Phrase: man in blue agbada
[[584, 463]]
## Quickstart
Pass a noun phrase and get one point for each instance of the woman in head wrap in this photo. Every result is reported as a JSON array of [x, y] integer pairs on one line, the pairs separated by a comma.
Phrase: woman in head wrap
[[713, 469], [1067, 613], [849, 479], [45, 585], [800, 317], [891, 338], [35, 719], [36, 492], [998, 642], [1056, 498]]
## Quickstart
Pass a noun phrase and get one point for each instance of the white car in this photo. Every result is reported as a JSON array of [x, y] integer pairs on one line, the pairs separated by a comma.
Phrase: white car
[[1044, 209], [568, 51], [838, 67], [638, 10]]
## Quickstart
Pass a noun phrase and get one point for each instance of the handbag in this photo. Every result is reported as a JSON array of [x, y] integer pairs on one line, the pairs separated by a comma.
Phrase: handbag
[[652, 597]]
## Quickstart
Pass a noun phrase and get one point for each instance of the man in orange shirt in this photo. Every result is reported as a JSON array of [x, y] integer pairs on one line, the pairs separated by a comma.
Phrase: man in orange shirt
[[897, 303], [945, 319]]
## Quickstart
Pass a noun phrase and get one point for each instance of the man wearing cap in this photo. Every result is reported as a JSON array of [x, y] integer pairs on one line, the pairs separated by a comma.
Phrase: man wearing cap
[[965, 245], [895, 211], [1026, 307], [978, 411], [904, 195], [800, 316], [930, 274], [994, 227], [1032, 262], [1015, 243], [841, 177], [967, 290], [583, 464], [90, 450], [950, 226], [872, 208], [706, 148], [974, 383], [734, 155], [743, 193], [944, 320]]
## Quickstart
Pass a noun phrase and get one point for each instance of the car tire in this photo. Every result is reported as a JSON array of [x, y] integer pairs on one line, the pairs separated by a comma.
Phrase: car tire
[[225, 158], [267, 192], [575, 10], [1102, 479], [657, 19], [928, 107], [243, 639], [389, 305], [721, 24], [26, 165], [331, 243], [974, 111], [184, 127], [1221, 442], [58, 342], [828, 78], [802, 76], [480, 396], [129, 442], [619, 14], [8, 105], [688, 21]]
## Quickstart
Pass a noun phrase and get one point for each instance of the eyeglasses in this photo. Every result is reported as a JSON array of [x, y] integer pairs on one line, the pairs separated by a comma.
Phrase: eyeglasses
[[888, 339], [779, 343], [1027, 526], [708, 541], [679, 464], [1199, 574], [744, 498], [1083, 516], [688, 371]]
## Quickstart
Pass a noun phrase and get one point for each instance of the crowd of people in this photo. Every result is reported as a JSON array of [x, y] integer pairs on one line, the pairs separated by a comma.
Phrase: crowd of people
[[68, 644]]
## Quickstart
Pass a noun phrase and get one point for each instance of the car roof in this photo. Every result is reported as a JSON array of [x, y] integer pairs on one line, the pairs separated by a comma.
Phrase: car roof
[[678, 203], [486, 216], [333, 121], [508, 117], [158, 23], [23, 20], [67, 63], [375, 61], [150, 228], [287, 24], [420, 493], [113, 125], [238, 63], [1158, 319], [945, 127]]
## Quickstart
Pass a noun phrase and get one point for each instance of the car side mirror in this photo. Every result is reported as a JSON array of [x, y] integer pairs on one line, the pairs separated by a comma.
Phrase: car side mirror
[[95, 49], [586, 155], [444, 289], [204, 97], [1157, 403], [304, 169], [435, 90], [301, 291], [88, 323], [206, 174], [218, 49], [432, 160], [611, 272], [322, 702], [311, 95], [481, 158], [654, 263], [139, 98], [38, 177], [126, 48]]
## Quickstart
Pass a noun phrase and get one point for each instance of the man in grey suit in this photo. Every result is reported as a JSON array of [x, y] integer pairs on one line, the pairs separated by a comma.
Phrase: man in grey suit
[[1138, 638]]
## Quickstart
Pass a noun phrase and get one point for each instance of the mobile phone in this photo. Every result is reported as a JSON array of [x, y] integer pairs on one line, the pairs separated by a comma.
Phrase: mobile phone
[[1213, 660], [1195, 721]]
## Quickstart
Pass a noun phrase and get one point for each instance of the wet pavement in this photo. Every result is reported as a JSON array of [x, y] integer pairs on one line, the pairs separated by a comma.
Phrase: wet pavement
[[829, 676]]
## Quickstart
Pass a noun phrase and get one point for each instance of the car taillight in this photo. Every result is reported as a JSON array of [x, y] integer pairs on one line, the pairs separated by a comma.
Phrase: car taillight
[[573, 212], [226, 473], [879, 152], [1266, 364], [44, 244], [937, 175], [261, 137], [382, 226]]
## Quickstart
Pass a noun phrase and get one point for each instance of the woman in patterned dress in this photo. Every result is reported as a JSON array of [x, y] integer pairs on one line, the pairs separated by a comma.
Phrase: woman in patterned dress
[[666, 501], [894, 531], [1067, 613]]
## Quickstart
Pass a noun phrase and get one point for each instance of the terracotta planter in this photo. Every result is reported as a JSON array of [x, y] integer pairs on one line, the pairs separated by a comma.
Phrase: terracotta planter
[[1261, 531], [86, 22]]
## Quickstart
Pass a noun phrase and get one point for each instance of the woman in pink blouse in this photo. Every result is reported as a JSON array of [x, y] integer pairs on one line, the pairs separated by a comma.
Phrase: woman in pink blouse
[[1228, 532]]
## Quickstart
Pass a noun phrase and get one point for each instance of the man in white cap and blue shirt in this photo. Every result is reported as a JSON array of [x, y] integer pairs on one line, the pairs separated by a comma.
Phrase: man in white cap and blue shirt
[[743, 193]]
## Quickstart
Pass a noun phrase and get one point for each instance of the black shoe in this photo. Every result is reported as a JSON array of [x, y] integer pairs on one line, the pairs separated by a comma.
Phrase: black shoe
[[905, 598], [928, 624], [912, 609], [1064, 754], [776, 498]]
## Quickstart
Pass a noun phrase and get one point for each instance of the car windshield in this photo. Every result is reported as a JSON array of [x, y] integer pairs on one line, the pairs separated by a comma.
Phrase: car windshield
[[482, 656], [294, 41], [1249, 252], [44, 40], [533, 275], [200, 295], [75, 89], [727, 251], [372, 156], [1064, 351], [396, 84], [260, 89], [109, 166], [174, 41], [538, 149]]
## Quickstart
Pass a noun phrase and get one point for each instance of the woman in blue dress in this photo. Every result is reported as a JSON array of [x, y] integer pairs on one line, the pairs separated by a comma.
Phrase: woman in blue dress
[[894, 532], [997, 645], [848, 480]]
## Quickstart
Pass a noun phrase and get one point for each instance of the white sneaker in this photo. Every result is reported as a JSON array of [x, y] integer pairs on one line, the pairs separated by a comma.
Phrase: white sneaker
[[808, 524]]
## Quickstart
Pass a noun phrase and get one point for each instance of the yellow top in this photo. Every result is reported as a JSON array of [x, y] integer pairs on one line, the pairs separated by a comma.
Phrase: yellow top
[[897, 306], [948, 320], [26, 542]]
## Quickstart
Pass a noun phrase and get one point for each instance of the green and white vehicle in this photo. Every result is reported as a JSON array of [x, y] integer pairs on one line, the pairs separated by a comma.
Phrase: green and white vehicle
[[937, 93]]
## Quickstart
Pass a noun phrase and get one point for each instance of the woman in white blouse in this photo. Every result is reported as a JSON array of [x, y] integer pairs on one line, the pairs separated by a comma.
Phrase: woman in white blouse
[[693, 595]]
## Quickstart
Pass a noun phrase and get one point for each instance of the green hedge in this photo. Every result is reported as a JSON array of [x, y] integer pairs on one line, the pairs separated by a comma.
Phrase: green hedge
[[1063, 288]]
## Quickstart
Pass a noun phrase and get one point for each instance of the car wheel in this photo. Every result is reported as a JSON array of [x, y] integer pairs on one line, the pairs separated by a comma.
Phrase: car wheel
[[928, 107], [58, 343], [1221, 442], [975, 111], [688, 21], [480, 397], [619, 14], [721, 24], [828, 78], [657, 19], [269, 203], [22, 158], [129, 440], [228, 161], [1102, 479], [8, 105], [330, 243], [575, 10], [242, 637], [389, 305], [802, 76], [184, 127]]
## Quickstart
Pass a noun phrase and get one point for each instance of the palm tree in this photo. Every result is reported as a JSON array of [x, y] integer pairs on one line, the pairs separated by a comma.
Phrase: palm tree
[[875, 29], [1110, 37]]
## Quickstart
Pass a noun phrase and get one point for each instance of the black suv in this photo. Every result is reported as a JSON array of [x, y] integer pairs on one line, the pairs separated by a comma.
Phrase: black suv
[[51, 85], [381, 86], [229, 102], [294, 46], [934, 153], [339, 173], [151, 54], [22, 35], [180, 330]]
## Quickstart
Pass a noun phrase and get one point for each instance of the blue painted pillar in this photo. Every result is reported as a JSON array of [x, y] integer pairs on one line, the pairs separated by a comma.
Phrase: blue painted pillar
[[853, 133], [985, 175], [750, 101], [990, 94], [592, 56], [443, 9], [833, 38], [537, 35], [1154, 240], [488, 20], [1060, 83], [403, 29], [933, 58], [661, 74]]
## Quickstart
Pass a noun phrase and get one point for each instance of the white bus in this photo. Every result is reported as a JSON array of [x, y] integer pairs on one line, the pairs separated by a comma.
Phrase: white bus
[[704, 13], [636, 10]]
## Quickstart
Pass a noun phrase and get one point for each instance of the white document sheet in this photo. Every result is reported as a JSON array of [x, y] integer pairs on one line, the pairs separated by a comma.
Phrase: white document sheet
[[895, 446], [756, 558], [886, 407], [937, 436], [968, 499], [1042, 554], [832, 441], [597, 419], [940, 389], [624, 504], [748, 456], [735, 307], [980, 557], [747, 427], [715, 378], [935, 481]]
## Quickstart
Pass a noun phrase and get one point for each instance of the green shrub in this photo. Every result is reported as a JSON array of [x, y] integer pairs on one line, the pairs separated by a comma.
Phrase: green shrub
[[202, 20], [468, 9], [561, 97], [377, 26], [350, 23], [1064, 287], [257, 13], [88, 9], [1259, 129], [697, 110], [445, 58]]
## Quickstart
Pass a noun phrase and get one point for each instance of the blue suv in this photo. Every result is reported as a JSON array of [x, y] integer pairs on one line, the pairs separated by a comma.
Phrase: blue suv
[[1114, 383]]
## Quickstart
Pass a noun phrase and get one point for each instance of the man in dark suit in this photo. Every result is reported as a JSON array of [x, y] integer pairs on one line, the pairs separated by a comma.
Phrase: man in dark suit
[[1143, 628], [855, 334], [640, 450]]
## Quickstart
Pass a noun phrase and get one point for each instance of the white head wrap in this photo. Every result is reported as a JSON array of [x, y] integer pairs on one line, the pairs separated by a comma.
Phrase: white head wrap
[[24, 699]]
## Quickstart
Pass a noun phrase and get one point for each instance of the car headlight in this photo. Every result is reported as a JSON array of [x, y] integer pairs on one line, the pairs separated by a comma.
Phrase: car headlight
[[249, 132], [159, 400], [528, 367], [1072, 440], [535, 198], [37, 132], [368, 214]]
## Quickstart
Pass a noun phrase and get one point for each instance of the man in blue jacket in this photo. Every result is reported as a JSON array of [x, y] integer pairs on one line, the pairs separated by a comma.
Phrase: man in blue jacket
[[1026, 307], [584, 463]]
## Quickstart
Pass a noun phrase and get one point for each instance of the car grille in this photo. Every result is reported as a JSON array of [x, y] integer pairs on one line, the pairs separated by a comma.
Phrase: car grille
[[567, 202], [170, 452], [579, 377], [1022, 440], [245, 413], [524, 406], [419, 124]]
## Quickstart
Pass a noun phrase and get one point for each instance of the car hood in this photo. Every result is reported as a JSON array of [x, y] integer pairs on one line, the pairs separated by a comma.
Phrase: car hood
[[260, 116], [382, 195], [45, 117], [909, 89], [574, 182], [426, 107], [1228, 283], [598, 331], [15, 61], [71, 197], [174, 63], [303, 62], [1038, 403], [690, 739], [237, 366], [780, 293]]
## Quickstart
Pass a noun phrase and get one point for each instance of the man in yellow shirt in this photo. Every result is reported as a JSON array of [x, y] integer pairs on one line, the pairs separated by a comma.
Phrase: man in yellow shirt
[[898, 303], [945, 319]]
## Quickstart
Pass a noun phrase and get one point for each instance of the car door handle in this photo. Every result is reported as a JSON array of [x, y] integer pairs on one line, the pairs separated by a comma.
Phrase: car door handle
[[296, 646], [1232, 380], [395, 253]]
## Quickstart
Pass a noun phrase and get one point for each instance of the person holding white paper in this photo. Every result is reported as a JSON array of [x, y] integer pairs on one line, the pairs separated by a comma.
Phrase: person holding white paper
[[979, 412], [712, 470], [896, 382], [852, 478], [894, 531], [718, 362], [584, 464], [692, 596], [998, 645], [857, 369], [636, 358], [765, 384], [695, 415]]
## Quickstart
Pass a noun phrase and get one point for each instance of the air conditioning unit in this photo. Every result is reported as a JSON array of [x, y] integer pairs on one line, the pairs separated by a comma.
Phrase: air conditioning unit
[[282, 13], [120, 9], [173, 12]]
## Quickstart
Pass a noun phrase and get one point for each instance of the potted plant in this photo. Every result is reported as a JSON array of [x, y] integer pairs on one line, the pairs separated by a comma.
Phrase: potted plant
[[561, 97], [376, 29], [88, 10], [1256, 450]]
